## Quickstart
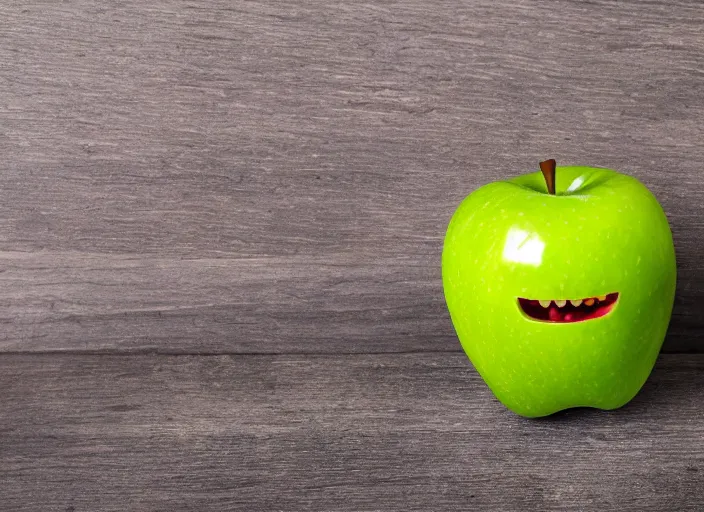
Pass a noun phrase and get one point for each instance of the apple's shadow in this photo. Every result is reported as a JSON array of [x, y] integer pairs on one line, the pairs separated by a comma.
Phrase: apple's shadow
[[686, 330]]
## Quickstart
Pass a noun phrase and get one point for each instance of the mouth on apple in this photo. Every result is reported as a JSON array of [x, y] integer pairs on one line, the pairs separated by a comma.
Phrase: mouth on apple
[[568, 311]]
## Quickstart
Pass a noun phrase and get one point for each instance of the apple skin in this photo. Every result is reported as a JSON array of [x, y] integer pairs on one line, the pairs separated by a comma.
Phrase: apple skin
[[602, 232]]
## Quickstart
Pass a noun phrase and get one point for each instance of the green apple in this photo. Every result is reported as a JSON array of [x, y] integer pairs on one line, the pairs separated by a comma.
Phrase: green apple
[[560, 299]]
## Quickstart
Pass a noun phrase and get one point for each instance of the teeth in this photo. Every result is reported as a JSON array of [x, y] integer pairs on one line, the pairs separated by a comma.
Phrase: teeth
[[576, 303], [588, 302], [560, 303], [602, 298], [545, 303]]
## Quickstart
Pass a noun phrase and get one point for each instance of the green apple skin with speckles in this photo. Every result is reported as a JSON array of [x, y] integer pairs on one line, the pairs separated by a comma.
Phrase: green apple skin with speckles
[[602, 232]]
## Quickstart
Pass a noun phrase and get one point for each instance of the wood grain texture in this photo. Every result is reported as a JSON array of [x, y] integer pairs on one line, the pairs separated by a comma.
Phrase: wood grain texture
[[269, 183], [206, 305], [404, 432], [273, 176]]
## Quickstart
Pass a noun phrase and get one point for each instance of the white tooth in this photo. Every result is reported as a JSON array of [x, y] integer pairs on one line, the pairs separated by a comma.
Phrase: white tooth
[[545, 303], [576, 303], [561, 303]]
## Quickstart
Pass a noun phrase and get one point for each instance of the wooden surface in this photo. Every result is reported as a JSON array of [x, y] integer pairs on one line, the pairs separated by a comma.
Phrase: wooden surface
[[389, 432], [220, 236]]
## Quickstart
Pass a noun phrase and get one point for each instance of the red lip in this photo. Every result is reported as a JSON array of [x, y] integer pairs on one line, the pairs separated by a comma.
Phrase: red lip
[[588, 309]]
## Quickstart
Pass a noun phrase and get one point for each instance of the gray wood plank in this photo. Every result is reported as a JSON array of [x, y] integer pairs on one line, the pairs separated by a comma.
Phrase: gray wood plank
[[326, 142], [220, 305], [410, 432]]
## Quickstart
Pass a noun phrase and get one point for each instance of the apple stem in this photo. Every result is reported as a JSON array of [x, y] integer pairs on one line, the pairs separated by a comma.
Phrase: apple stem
[[548, 168]]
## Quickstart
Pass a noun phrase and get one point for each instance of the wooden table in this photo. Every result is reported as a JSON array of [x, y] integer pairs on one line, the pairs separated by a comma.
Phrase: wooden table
[[220, 236]]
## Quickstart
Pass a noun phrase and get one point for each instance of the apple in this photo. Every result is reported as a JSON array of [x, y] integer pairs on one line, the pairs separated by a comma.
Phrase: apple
[[560, 287]]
